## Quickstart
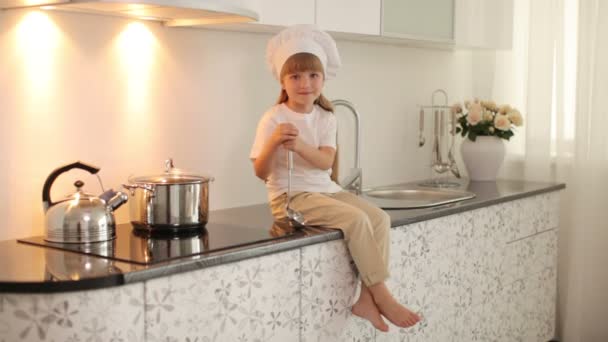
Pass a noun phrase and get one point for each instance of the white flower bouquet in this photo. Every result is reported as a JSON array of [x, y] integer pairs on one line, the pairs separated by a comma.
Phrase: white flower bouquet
[[485, 118]]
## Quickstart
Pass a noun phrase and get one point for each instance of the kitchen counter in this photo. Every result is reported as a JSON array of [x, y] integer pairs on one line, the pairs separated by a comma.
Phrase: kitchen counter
[[32, 269]]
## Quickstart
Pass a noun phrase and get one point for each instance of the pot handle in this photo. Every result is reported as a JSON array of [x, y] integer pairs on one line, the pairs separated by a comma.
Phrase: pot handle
[[46, 189], [133, 187]]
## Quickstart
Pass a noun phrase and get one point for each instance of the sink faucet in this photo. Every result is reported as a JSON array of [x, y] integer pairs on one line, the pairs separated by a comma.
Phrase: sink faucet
[[354, 181]]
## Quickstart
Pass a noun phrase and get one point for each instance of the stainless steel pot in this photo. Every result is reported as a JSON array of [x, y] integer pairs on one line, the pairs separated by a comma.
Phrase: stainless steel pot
[[172, 200]]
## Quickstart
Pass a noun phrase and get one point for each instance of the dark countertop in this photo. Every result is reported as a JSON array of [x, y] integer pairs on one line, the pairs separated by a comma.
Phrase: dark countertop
[[32, 269]]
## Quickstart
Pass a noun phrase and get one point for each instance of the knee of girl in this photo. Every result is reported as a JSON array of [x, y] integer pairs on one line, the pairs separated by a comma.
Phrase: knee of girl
[[358, 223], [359, 217]]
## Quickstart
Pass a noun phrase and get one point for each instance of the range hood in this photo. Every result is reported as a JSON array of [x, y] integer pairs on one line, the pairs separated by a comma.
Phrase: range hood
[[171, 12]]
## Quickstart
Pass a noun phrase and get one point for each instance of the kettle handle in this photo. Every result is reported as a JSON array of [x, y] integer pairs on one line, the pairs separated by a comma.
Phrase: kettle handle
[[46, 190]]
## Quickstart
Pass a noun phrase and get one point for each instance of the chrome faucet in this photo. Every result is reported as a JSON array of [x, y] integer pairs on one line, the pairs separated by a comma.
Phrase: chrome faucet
[[354, 181]]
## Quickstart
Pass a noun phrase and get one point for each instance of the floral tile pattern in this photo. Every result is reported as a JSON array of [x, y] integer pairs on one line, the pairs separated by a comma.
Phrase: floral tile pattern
[[251, 300], [329, 285], [115, 314]]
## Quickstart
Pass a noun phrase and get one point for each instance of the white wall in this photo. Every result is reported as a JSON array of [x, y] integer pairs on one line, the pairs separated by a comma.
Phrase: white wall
[[123, 97]]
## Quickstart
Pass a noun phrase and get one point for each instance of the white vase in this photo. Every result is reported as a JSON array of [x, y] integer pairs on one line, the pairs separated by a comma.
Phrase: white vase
[[483, 157]]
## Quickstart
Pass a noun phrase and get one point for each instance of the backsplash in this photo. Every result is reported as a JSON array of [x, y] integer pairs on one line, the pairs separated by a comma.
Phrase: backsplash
[[125, 95]]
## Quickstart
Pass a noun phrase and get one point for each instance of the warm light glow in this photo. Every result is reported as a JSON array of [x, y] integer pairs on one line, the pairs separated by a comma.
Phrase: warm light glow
[[38, 2], [37, 40], [136, 7], [137, 51]]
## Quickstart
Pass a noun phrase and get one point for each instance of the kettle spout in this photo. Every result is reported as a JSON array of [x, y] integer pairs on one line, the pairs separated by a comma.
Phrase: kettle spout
[[114, 199]]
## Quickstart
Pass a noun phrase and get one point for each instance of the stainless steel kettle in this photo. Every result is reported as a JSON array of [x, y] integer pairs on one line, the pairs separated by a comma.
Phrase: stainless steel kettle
[[80, 217]]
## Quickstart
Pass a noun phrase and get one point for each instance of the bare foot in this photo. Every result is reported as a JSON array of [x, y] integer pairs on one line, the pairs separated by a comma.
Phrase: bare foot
[[398, 314], [366, 308]]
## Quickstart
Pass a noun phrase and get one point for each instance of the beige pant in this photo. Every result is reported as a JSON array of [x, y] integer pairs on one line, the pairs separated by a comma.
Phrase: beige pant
[[365, 227]]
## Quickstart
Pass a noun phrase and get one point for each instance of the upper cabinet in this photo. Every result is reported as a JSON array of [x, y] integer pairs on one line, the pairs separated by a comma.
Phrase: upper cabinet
[[484, 23], [285, 12], [349, 16], [427, 20], [439, 23]]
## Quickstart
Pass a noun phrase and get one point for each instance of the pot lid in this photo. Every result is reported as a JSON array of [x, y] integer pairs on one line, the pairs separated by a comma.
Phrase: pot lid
[[172, 175]]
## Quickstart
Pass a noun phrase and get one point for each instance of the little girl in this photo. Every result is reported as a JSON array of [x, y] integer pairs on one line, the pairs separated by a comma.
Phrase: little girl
[[302, 57]]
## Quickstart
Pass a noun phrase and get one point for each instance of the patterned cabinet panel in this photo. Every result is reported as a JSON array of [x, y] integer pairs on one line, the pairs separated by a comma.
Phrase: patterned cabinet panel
[[529, 256], [328, 288], [551, 209], [541, 321], [523, 311], [427, 270], [509, 241], [462, 272], [112, 314], [483, 252], [519, 303], [531, 215], [251, 300], [516, 217]]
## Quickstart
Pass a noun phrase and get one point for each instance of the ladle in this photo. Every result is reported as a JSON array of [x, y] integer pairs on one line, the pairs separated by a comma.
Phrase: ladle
[[421, 139], [451, 160], [296, 219], [438, 165]]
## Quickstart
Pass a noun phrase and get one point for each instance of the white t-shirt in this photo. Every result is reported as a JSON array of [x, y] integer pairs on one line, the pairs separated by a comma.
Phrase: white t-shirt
[[317, 128]]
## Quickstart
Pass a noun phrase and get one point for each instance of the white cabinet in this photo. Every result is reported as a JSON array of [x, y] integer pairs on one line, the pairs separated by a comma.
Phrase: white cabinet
[[465, 23], [429, 20], [351, 16], [462, 23], [284, 12], [484, 23]]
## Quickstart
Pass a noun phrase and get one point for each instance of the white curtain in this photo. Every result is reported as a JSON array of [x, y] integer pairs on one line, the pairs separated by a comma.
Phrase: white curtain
[[564, 76], [588, 224]]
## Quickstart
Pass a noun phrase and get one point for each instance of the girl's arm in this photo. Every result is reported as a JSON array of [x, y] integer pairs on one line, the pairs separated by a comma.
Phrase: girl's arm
[[262, 164], [322, 157]]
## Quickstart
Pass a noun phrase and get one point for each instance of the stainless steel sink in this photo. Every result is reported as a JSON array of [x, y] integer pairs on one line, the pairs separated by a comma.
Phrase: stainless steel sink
[[412, 196]]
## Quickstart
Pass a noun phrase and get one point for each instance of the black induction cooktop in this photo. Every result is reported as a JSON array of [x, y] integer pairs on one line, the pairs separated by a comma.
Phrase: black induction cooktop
[[142, 247]]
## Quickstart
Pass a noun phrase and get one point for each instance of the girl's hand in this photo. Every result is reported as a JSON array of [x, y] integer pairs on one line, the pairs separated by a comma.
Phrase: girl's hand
[[294, 145], [283, 133]]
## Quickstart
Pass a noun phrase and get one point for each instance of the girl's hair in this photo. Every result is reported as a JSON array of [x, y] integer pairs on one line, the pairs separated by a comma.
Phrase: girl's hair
[[305, 61], [299, 62]]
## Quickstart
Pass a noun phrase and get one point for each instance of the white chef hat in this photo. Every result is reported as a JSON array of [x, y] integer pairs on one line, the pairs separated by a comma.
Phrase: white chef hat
[[302, 38]]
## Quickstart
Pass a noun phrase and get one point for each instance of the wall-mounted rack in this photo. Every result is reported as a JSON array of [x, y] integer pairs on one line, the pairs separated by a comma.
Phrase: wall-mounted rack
[[439, 164]]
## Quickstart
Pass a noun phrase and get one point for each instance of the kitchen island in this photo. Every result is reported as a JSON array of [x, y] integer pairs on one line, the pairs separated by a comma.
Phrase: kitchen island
[[481, 269]]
